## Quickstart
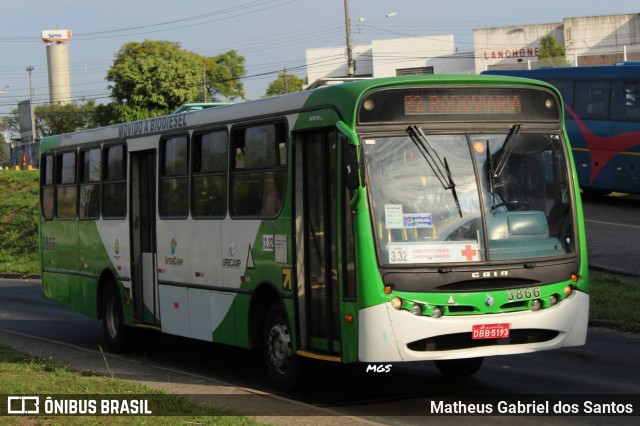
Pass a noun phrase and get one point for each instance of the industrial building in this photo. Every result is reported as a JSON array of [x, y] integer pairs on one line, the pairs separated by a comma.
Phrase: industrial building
[[594, 40]]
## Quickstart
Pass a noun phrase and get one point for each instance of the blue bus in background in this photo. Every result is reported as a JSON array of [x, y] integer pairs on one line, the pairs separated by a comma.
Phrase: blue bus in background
[[602, 115]]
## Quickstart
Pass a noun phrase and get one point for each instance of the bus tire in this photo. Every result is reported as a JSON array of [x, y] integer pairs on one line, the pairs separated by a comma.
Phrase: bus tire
[[117, 334], [459, 368], [283, 366]]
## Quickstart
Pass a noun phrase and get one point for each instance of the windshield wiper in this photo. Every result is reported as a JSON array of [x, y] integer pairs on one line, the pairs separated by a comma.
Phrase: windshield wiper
[[492, 187], [506, 149], [439, 167]]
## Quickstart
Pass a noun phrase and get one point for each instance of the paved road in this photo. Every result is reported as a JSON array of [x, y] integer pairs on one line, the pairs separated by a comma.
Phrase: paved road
[[607, 365]]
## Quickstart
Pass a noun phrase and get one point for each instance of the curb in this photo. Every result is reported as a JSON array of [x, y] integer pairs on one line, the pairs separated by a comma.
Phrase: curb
[[14, 276]]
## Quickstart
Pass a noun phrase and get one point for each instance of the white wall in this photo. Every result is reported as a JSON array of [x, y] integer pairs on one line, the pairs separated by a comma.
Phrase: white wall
[[383, 57], [416, 52], [597, 35], [510, 46], [332, 62]]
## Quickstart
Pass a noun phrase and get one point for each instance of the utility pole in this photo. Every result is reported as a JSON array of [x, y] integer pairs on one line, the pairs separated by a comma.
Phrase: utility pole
[[33, 119], [286, 82], [204, 83], [347, 22]]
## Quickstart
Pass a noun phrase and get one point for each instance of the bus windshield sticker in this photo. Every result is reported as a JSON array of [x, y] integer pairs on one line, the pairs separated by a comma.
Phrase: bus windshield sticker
[[393, 216], [280, 245], [433, 253], [267, 242], [418, 220]]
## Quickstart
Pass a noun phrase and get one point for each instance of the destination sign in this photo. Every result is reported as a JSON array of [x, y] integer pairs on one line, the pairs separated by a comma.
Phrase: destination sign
[[462, 104], [465, 103]]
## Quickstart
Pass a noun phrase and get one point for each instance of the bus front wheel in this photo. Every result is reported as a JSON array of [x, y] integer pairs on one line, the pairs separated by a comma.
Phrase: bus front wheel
[[115, 331], [283, 366], [459, 368]]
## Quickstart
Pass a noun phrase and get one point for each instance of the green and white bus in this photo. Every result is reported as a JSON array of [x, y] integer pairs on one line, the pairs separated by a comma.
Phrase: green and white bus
[[377, 221]]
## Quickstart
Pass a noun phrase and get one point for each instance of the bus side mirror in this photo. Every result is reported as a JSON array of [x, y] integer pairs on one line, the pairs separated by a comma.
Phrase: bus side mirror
[[351, 167]]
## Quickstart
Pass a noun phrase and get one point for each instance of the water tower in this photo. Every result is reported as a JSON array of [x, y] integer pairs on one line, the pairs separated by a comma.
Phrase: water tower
[[58, 65]]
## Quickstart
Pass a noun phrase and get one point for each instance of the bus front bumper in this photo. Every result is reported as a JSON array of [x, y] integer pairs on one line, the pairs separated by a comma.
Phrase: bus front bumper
[[388, 335]]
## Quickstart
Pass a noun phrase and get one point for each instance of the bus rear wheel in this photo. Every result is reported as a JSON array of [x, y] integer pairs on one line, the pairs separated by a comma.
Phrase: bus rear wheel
[[283, 366], [459, 368], [118, 335]]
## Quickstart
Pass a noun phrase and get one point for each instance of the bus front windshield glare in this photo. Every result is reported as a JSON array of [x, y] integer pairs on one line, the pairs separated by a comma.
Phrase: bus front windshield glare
[[461, 198]]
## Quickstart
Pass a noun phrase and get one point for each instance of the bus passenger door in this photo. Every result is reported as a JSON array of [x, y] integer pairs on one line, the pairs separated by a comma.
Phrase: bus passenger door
[[317, 267], [143, 236]]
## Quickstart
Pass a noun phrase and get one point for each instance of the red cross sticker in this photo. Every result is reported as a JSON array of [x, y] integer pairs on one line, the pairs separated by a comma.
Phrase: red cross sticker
[[469, 253]]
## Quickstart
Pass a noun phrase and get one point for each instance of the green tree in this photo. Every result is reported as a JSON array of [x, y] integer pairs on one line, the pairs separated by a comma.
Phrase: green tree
[[4, 151], [223, 75], [65, 118], [10, 122], [61, 118], [154, 77], [552, 53], [285, 83]]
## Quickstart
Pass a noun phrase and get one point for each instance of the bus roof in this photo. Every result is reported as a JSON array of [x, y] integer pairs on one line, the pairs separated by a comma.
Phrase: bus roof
[[343, 98], [197, 106]]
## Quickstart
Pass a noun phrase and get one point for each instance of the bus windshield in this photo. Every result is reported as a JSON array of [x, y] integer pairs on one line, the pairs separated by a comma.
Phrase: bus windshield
[[487, 202]]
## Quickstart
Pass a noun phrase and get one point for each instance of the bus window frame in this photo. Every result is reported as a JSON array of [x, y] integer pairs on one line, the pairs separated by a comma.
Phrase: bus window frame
[[619, 87], [59, 184], [163, 177], [238, 137], [48, 186], [582, 89], [108, 182], [193, 174], [84, 183]]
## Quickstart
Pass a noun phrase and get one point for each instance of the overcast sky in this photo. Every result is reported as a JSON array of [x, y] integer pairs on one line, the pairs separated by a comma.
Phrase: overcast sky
[[270, 34]]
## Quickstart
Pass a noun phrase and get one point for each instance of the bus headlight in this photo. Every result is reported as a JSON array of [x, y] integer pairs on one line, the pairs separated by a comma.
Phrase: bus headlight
[[536, 305], [567, 291], [416, 310], [396, 303], [436, 312], [553, 300]]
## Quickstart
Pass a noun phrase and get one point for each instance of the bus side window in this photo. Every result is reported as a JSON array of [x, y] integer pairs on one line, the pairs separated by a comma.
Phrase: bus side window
[[66, 189], [114, 187], [625, 103], [592, 99], [90, 163], [258, 175], [174, 177], [209, 180], [48, 187]]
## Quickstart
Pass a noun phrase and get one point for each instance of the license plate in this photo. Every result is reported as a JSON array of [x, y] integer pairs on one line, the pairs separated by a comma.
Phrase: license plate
[[490, 331]]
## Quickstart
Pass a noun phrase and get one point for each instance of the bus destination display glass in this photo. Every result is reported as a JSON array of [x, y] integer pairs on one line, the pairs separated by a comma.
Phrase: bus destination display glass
[[459, 104]]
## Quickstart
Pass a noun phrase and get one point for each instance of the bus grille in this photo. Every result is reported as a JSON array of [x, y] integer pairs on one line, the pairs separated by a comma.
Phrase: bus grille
[[450, 342]]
